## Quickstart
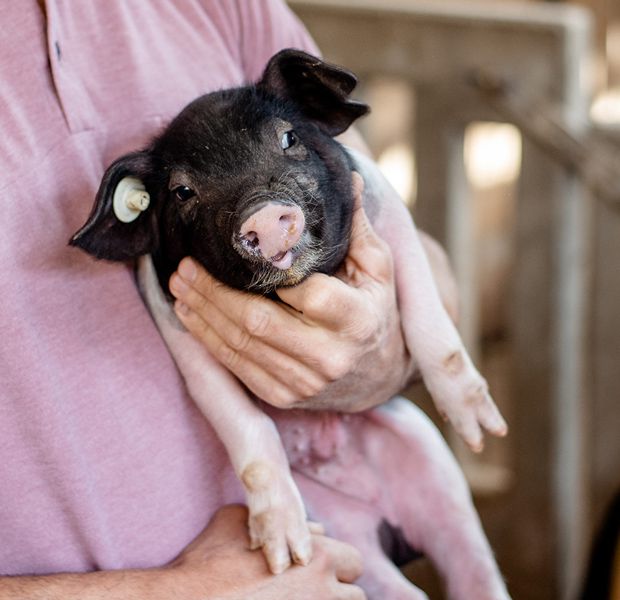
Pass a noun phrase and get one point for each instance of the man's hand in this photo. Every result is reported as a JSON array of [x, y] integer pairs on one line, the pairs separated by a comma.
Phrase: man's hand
[[217, 565], [221, 566], [336, 343]]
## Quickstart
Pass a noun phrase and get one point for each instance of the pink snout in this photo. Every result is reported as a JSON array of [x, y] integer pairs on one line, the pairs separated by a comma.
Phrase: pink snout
[[274, 229]]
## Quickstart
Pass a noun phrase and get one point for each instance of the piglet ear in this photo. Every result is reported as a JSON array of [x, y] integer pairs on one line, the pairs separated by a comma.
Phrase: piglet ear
[[121, 225], [319, 89]]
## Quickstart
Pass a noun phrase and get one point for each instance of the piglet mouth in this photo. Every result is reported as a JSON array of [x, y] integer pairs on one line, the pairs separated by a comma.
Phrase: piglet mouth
[[284, 268], [283, 260]]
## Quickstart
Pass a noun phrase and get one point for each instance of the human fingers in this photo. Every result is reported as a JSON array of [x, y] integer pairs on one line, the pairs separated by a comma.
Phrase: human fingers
[[277, 376], [240, 316], [368, 263], [223, 549], [324, 300], [369, 255], [346, 560], [194, 286], [240, 329]]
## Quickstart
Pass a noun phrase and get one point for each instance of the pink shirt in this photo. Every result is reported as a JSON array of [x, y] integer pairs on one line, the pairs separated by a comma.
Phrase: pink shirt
[[104, 461]]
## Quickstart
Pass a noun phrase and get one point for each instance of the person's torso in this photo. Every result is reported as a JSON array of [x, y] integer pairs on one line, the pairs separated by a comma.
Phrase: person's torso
[[104, 461]]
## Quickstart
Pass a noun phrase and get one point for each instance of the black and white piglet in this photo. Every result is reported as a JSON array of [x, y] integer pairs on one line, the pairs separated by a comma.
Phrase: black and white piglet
[[251, 183]]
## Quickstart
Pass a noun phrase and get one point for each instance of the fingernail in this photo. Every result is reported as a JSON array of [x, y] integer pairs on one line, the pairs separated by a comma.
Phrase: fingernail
[[177, 286], [187, 269]]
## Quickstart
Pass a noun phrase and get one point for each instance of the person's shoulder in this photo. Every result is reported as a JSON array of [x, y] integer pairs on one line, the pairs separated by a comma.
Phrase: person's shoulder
[[268, 26]]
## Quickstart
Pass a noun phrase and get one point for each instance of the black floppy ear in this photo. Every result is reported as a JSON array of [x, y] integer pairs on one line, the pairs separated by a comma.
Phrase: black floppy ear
[[319, 89], [121, 225]]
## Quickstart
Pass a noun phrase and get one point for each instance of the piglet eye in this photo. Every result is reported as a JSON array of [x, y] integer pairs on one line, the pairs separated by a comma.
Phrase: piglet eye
[[288, 140], [183, 193]]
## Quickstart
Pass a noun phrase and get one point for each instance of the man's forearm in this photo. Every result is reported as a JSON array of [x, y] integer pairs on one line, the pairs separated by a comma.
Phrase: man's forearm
[[123, 584], [217, 564]]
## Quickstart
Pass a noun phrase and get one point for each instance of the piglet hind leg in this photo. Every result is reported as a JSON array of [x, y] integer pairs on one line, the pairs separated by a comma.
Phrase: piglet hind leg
[[358, 523], [392, 488], [432, 503], [460, 393], [277, 517], [388, 484]]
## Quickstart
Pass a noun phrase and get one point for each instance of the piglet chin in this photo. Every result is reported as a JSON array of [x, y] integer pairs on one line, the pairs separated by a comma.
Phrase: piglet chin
[[283, 260]]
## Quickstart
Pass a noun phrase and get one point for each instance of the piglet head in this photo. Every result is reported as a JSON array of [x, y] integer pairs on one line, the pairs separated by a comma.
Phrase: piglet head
[[248, 181]]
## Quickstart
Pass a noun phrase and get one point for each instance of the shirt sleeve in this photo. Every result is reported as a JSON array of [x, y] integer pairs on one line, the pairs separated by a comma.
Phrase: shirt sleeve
[[266, 27]]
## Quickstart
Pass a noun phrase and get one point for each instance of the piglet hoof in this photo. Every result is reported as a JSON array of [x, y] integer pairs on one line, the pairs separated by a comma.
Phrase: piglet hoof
[[479, 413], [277, 518], [282, 543], [462, 397]]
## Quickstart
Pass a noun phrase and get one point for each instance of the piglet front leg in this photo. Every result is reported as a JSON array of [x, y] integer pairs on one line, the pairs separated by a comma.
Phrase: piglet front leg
[[277, 517], [459, 391]]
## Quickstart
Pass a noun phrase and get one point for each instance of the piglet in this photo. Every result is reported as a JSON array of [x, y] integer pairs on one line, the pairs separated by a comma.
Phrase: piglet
[[250, 182]]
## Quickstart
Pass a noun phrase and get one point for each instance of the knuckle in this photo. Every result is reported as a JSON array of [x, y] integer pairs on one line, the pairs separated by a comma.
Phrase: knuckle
[[367, 329], [197, 301], [255, 320], [236, 511], [336, 365], [228, 356], [240, 341], [317, 296]]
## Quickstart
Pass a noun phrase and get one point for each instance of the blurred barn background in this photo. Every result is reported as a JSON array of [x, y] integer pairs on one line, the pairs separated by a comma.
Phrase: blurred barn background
[[499, 123]]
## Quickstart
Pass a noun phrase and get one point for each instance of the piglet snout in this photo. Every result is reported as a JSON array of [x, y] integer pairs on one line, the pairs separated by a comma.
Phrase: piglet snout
[[273, 230]]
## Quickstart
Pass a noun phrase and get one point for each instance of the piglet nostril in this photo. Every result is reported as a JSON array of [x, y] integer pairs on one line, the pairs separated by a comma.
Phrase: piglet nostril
[[288, 222], [251, 239]]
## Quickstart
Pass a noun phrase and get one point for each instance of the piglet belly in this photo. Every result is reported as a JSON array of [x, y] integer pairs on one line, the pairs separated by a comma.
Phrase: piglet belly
[[331, 449]]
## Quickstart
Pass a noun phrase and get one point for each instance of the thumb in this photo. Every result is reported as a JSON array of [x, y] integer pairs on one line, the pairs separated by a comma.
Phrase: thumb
[[368, 254], [229, 522]]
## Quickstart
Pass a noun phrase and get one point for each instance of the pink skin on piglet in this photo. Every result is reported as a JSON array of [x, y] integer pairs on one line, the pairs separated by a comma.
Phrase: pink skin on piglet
[[359, 473]]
